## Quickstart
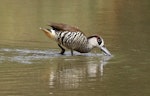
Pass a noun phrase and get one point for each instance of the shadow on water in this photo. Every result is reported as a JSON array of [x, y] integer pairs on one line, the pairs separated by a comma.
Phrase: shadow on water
[[78, 72], [65, 72]]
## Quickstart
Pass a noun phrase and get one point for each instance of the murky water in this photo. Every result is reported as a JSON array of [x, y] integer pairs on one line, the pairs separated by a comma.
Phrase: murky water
[[31, 66]]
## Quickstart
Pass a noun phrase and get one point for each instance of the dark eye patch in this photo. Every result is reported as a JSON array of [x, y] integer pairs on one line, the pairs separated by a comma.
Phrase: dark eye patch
[[99, 41]]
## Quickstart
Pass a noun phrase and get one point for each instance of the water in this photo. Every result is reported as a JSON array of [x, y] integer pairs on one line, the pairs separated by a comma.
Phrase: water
[[31, 66]]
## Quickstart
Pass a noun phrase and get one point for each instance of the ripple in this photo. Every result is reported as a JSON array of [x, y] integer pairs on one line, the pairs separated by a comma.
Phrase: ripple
[[29, 56], [25, 56]]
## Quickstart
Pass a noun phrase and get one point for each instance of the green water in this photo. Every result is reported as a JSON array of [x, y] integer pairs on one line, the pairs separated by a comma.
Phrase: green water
[[31, 66]]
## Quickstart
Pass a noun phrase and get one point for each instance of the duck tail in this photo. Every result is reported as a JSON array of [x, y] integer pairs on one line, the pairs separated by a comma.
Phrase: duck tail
[[49, 33]]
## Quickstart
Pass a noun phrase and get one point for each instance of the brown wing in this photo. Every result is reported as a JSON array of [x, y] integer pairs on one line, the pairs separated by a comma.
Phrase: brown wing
[[64, 27]]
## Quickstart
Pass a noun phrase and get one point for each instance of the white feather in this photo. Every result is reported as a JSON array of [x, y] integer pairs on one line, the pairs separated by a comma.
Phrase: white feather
[[53, 31], [92, 42]]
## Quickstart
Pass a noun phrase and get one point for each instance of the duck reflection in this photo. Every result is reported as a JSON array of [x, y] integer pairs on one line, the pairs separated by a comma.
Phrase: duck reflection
[[75, 73]]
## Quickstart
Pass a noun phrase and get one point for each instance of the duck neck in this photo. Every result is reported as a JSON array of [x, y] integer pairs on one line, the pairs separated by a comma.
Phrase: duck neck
[[88, 47], [91, 43]]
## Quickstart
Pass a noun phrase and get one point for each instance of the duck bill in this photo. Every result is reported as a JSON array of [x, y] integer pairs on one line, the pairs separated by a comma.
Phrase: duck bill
[[105, 51]]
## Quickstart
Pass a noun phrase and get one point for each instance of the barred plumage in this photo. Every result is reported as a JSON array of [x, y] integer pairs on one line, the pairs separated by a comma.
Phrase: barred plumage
[[74, 39]]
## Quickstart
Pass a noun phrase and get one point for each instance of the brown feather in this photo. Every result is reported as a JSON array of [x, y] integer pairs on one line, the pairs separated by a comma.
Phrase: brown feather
[[64, 27]]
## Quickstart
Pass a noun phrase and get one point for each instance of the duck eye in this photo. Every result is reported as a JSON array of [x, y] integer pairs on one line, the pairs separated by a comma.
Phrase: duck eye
[[99, 41]]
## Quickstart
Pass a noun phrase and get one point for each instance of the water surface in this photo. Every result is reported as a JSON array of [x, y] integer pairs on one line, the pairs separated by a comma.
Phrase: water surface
[[30, 63]]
